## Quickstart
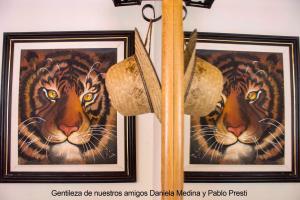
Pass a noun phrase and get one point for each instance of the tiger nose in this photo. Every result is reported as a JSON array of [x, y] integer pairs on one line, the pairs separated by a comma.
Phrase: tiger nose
[[237, 131], [68, 130]]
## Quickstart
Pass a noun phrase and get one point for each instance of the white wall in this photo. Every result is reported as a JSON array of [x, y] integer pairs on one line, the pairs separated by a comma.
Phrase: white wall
[[265, 17], [78, 15], [274, 17]]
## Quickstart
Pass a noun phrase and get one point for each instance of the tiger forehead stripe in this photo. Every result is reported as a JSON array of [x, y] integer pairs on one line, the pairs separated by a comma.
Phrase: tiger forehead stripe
[[72, 55]]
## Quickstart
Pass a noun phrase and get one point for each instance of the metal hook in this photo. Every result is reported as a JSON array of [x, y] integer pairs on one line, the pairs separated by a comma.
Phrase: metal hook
[[185, 12], [154, 19]]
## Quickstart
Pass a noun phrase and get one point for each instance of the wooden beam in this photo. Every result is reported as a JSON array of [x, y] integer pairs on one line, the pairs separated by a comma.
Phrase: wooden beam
[[172, 97]]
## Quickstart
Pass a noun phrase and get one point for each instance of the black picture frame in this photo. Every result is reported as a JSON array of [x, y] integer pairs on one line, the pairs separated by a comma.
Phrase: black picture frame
[[292, 43], [8, 176]]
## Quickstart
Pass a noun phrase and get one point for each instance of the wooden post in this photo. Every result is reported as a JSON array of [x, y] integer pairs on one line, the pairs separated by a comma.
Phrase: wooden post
[[172, 97]]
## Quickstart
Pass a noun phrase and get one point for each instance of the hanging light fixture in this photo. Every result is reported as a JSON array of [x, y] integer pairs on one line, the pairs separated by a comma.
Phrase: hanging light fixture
[[127, 2], [199, 3], [194, 3]]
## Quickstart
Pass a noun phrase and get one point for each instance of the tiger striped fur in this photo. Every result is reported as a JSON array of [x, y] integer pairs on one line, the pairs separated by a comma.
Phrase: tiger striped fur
[[247, 126], [65, 115]]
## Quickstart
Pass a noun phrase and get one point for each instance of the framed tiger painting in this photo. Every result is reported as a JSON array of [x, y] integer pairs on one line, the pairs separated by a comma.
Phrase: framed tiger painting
[[57, 121], [252, 135]]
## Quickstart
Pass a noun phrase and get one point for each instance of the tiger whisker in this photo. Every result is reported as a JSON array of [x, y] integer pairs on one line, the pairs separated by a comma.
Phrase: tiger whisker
[[203, 133], [90, 149], [85, 149], [204, 130], [199, 131], [222, 144], [101, 129], [105, 135], [281, 131], [47, 142], [108, 128], [103, 125], [213, 153], [99, 153], [25, 148], [197, 135], [276, 140], [204, 125], [209, 148], [106, 131], [30, 119], [100, 142], [93, 135], [220, 133], [210, 138], [274, 145], [21, 130], [84, 144], [271, 120], [218, 147], [24, 126], [215, 132], [110, 134], [255, 141], [49, 139], [257, 144], [27, 137], [249, 138], [280, 125], [32, 141], [212, 126]]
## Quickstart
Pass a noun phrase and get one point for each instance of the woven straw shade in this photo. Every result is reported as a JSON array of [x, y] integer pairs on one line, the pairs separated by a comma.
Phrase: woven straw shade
[[133, 85], [203, 82]]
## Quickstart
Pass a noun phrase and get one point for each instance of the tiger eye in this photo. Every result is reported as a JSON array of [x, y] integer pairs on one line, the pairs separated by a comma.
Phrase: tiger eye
[[252, 96], [52, 94], [88, 97]]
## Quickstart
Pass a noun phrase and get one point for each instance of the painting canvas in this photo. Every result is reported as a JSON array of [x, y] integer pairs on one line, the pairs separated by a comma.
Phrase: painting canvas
[[65, 116], [61, 125], [247, 125], [252, 134]]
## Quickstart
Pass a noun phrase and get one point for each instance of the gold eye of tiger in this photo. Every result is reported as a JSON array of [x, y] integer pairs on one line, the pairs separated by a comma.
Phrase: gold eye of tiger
[[252, 96], [52, 94], [88, 97]]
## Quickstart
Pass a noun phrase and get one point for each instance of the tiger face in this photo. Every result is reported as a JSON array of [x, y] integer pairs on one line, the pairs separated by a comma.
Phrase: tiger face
[[65, 112], [246, 127]]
